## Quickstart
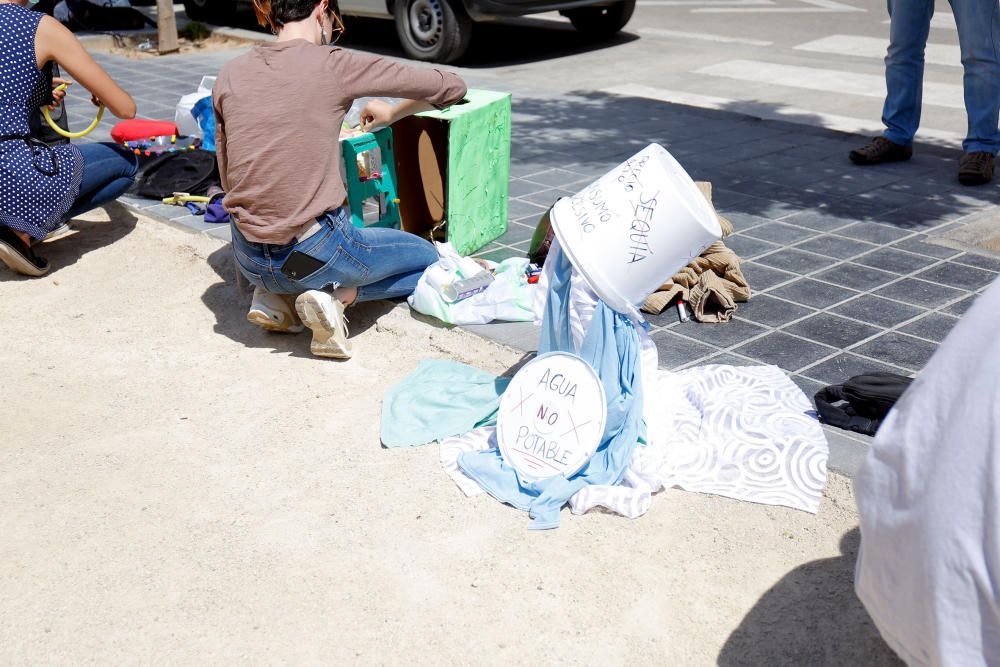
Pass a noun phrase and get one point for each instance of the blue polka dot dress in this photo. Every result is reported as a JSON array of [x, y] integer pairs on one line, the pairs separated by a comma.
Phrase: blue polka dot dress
[[38, 184]]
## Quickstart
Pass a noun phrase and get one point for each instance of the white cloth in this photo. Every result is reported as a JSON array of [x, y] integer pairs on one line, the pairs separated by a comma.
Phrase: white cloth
[[928, 500], [740, 432]]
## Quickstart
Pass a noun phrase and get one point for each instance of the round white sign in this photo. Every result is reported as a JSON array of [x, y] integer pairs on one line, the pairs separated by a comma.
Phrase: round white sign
[[552, 416]]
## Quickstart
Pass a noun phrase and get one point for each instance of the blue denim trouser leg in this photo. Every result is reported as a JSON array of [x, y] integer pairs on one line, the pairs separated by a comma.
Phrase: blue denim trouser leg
[[910, 23], [108, 171], [978, 24], [381, 263]]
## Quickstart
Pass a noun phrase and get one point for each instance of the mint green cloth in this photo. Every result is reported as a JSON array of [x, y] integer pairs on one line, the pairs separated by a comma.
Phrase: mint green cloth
[[438, 400]]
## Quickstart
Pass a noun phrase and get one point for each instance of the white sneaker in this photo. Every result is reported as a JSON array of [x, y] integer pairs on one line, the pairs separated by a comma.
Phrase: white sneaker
[[273, 312], [325, 316]]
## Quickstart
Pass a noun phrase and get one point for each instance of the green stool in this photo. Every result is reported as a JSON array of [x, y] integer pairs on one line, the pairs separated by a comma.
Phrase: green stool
[[380, 186]]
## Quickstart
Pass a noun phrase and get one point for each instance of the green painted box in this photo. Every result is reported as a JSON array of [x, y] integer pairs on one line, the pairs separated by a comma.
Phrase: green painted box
[[453, 168]]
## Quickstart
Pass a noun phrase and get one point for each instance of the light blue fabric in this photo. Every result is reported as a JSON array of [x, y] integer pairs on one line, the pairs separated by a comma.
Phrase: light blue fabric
[[612, 347], [438, 400]]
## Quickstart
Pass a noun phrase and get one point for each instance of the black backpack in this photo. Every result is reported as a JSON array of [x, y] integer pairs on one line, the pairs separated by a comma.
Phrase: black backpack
[[193, 172], [861, 403]]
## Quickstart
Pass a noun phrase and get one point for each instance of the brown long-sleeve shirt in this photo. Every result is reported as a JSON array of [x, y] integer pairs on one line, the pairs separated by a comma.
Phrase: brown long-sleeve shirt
[[278, 113]]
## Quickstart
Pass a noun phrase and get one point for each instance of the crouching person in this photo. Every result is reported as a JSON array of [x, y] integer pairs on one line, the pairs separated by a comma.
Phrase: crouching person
[[43, 186], [279, 111]]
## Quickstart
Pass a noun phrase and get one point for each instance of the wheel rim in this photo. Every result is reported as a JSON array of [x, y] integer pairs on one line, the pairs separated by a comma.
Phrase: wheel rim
[[426, 23]]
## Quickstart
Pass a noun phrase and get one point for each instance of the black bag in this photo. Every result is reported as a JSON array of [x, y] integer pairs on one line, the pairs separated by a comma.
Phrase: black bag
[[868, 400], [193, 172], [38, 127]]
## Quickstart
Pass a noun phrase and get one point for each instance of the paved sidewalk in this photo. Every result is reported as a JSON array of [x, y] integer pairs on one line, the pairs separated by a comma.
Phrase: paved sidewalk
[[851, 267]]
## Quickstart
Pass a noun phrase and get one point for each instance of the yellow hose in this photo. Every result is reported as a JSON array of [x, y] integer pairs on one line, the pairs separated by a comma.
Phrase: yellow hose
[[72, 135]]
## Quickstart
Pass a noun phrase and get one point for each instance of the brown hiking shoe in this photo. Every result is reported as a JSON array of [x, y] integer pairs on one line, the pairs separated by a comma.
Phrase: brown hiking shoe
[[881, 150], [975, 168]]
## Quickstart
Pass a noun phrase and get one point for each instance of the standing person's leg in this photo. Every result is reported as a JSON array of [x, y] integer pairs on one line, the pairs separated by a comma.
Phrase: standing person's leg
[[978, 24], [108, 171], [909, 26], [910, 23]]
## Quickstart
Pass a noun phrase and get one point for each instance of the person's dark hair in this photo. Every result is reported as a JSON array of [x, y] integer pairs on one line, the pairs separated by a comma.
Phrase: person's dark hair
[[276, 13]]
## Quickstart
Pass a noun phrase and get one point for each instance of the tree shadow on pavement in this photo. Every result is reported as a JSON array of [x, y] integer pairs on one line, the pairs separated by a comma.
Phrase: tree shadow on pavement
[[766, 168], [811, 617], [229, 302], [91, 233]]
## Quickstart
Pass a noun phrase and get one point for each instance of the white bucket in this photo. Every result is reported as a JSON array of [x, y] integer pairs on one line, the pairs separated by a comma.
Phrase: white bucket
[[632, 229], [552, 416]]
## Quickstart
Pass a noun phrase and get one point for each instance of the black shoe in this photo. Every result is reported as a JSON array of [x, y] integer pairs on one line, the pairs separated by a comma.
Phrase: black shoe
[[975, 168], [881, 150], [19, 256]]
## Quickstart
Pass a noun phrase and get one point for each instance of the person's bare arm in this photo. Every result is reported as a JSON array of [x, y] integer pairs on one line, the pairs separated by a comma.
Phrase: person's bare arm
[[55, 42], [378, 113]]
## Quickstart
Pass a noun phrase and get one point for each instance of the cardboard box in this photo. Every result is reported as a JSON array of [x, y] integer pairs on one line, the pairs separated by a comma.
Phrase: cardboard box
[[453, 168]]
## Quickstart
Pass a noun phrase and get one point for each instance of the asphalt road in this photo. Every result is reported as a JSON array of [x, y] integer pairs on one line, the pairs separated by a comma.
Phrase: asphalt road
[[812, 61]]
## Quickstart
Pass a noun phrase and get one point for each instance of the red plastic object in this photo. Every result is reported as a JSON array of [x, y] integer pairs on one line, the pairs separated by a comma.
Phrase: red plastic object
[[131, 130]]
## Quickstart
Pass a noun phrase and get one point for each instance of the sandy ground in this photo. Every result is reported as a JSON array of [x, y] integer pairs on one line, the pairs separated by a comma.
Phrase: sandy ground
[[179, 487]]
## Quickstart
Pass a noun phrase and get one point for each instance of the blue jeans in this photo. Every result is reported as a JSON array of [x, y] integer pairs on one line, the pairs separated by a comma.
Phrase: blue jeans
[[108, 171], [381, 263], [978, 24]]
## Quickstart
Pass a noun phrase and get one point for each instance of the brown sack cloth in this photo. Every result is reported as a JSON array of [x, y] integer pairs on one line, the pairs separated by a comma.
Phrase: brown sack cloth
[[711, 284]]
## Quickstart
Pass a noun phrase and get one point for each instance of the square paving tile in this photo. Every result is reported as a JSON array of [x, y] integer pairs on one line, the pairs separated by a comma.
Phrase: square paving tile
[[899, 350], [832, 330], [516, 233], [795, 261], [520, 187], [874, 310], [959, 307], [979, 261], [847, 365], [836, 246], [855, 276], [808, 387], [727, 359], [787, 352], [761, 278], [958, 275], [676, 351], [517, 209], [559, 178], [874, 232], [897, 261], [920, 292], [819, 219], [747, 247], [813, 293], [918, 245], [780, 233], [932, 326], [766, 310], [722, 334]]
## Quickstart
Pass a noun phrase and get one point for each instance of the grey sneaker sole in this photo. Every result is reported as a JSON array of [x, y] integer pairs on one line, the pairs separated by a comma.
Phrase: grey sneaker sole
[[326, 340], [261, 319]]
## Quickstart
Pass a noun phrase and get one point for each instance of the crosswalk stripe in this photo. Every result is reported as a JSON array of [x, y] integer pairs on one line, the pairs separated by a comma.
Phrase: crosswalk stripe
[[874, 47], [783, 113], [700, 36], [828, 80], [701, 3]]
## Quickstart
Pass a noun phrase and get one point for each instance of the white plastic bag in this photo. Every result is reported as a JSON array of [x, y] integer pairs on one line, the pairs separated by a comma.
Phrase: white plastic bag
[[508, 298], [187, 124]]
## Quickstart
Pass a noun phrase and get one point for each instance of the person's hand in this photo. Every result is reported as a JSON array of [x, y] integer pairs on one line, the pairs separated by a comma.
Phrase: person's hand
[[58, 95], [377, 113]]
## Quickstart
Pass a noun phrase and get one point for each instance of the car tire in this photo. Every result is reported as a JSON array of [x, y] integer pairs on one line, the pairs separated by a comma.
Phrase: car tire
[[210, 10], [433, 30], [601, 22]]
